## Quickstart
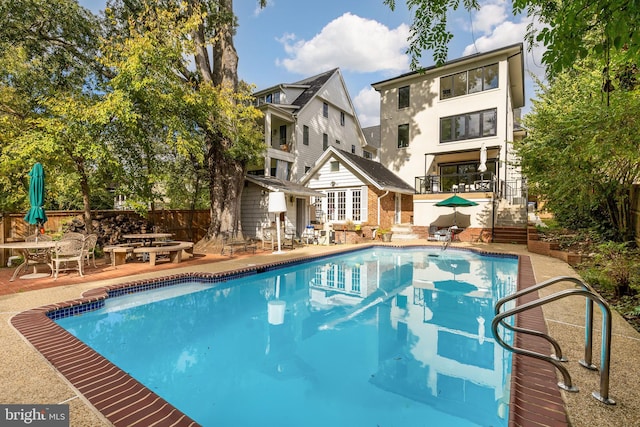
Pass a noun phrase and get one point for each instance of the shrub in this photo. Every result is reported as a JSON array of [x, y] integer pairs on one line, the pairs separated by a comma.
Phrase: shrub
[[617, 263]]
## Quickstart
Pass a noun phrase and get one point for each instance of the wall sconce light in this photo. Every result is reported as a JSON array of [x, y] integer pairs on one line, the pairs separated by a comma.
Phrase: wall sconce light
[[291, 199]]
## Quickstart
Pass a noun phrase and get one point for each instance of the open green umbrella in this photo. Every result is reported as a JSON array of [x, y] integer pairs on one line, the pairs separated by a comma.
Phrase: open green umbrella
[[36, 214], [454, 202]]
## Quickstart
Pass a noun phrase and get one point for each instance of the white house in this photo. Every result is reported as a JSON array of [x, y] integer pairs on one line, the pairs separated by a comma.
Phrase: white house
[[450, 129], [301, 120], [357, 191]]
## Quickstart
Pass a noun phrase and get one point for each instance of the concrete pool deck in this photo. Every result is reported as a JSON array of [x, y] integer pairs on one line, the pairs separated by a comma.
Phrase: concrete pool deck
[[30, 379]]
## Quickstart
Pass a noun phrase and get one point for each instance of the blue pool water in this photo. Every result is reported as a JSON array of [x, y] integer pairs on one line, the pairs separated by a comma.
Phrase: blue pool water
[[379, 337]]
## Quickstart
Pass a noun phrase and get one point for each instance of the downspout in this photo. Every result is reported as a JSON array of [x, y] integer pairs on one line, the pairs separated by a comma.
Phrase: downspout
[[379, 205]]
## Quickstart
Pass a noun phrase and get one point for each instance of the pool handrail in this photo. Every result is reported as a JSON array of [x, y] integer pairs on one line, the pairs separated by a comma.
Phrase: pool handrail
[[587, 362], [603, 394]]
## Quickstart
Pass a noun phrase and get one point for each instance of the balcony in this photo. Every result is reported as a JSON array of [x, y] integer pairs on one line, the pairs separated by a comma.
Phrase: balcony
[[456, 183]]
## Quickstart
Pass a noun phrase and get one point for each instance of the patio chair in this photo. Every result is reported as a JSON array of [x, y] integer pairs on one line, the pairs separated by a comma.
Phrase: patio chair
[[68, 255], [72, 235], [90, 248], [38, 256], [269, 239]]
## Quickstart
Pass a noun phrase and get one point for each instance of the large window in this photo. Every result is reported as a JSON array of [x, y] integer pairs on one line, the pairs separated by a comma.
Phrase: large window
[[403, 97], [403, 136], [344, 205], [470, 81], [356, 205], [305, 135], [468, 126]]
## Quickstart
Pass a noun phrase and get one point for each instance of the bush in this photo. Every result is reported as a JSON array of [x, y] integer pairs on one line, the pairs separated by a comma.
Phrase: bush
[[615, 265]]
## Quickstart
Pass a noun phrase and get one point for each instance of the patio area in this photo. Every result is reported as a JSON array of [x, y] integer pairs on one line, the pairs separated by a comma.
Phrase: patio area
[[28, 378]]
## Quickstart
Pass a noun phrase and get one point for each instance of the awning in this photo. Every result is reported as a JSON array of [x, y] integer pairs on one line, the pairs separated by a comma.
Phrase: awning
[[274, 184]]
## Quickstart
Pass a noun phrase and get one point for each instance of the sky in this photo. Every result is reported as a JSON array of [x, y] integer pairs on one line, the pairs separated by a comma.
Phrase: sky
[[290, 40]]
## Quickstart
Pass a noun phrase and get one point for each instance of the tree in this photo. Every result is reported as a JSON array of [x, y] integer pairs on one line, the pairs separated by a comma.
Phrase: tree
[[564, 31], [176, 79], [46, 70], [582, 155]]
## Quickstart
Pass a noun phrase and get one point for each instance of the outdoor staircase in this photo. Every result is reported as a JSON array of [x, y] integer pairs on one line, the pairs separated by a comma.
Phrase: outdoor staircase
[[511, 224], [515, 235], [402, 232]]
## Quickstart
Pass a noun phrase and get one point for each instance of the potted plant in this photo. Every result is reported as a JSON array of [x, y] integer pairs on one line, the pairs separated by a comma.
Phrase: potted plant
[[385, 234]]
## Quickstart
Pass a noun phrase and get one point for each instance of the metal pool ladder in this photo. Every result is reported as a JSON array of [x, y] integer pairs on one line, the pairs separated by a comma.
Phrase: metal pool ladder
[[581, 289]]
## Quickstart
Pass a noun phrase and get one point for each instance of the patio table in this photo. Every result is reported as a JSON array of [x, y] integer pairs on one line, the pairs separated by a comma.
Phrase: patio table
[[24, 248]]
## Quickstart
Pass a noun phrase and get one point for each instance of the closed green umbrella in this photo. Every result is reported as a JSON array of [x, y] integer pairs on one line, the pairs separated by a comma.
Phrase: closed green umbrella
[[36, 214], [454, 202]]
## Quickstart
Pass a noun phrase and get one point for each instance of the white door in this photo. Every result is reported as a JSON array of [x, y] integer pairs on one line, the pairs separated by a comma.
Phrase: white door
[[398, 215]]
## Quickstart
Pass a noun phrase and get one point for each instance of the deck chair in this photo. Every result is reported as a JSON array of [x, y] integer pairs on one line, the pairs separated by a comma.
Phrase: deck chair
[[68, 255]]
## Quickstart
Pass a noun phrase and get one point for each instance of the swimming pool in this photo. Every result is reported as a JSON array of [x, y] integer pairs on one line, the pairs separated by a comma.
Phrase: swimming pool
[[375, 337]]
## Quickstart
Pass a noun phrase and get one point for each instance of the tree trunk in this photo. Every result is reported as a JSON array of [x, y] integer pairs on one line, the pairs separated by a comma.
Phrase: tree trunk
[[86, 200], [226, 175], [227, 181]]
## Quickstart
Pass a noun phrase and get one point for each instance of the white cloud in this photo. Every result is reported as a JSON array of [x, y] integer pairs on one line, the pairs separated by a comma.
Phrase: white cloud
[[506, 34], [351, 43], [367, 105], [490, 15]]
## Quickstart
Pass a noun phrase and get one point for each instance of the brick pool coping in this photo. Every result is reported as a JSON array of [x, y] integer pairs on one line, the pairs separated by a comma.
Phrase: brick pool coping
[[535, 399]]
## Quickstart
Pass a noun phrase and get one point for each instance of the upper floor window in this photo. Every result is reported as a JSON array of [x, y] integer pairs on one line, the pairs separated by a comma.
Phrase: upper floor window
[[366, 154], [468, 126], [325, 109], [403, 97], [342, 118], [470, 81], [353, 149], [403, 136], [325, 141], [283, 135], [305, 135], [335, 166]]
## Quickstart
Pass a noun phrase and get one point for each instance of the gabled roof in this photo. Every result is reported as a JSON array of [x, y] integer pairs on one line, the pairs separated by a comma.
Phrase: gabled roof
[[371, 171], [275, 184], [372, 135], [314, 84]]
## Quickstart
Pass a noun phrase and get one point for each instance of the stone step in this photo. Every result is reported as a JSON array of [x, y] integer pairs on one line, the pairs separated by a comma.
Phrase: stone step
[[516, 235]]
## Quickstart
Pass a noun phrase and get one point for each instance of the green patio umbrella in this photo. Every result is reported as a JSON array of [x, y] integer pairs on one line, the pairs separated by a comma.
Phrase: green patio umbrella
[[36, 214], [454, 202]]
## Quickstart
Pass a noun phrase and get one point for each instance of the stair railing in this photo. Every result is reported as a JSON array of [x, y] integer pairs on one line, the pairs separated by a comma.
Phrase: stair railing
[[555, 359]]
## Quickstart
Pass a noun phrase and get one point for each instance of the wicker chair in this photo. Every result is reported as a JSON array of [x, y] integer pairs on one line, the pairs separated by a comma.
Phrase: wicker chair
[[68, 255], [72, 235]]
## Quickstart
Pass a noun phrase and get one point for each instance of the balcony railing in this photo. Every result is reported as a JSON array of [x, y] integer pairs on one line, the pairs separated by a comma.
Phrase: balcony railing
[[456, 183], [515, 191]]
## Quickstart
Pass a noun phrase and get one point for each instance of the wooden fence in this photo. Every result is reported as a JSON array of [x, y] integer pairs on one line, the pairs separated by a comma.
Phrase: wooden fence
[[185, 225]]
